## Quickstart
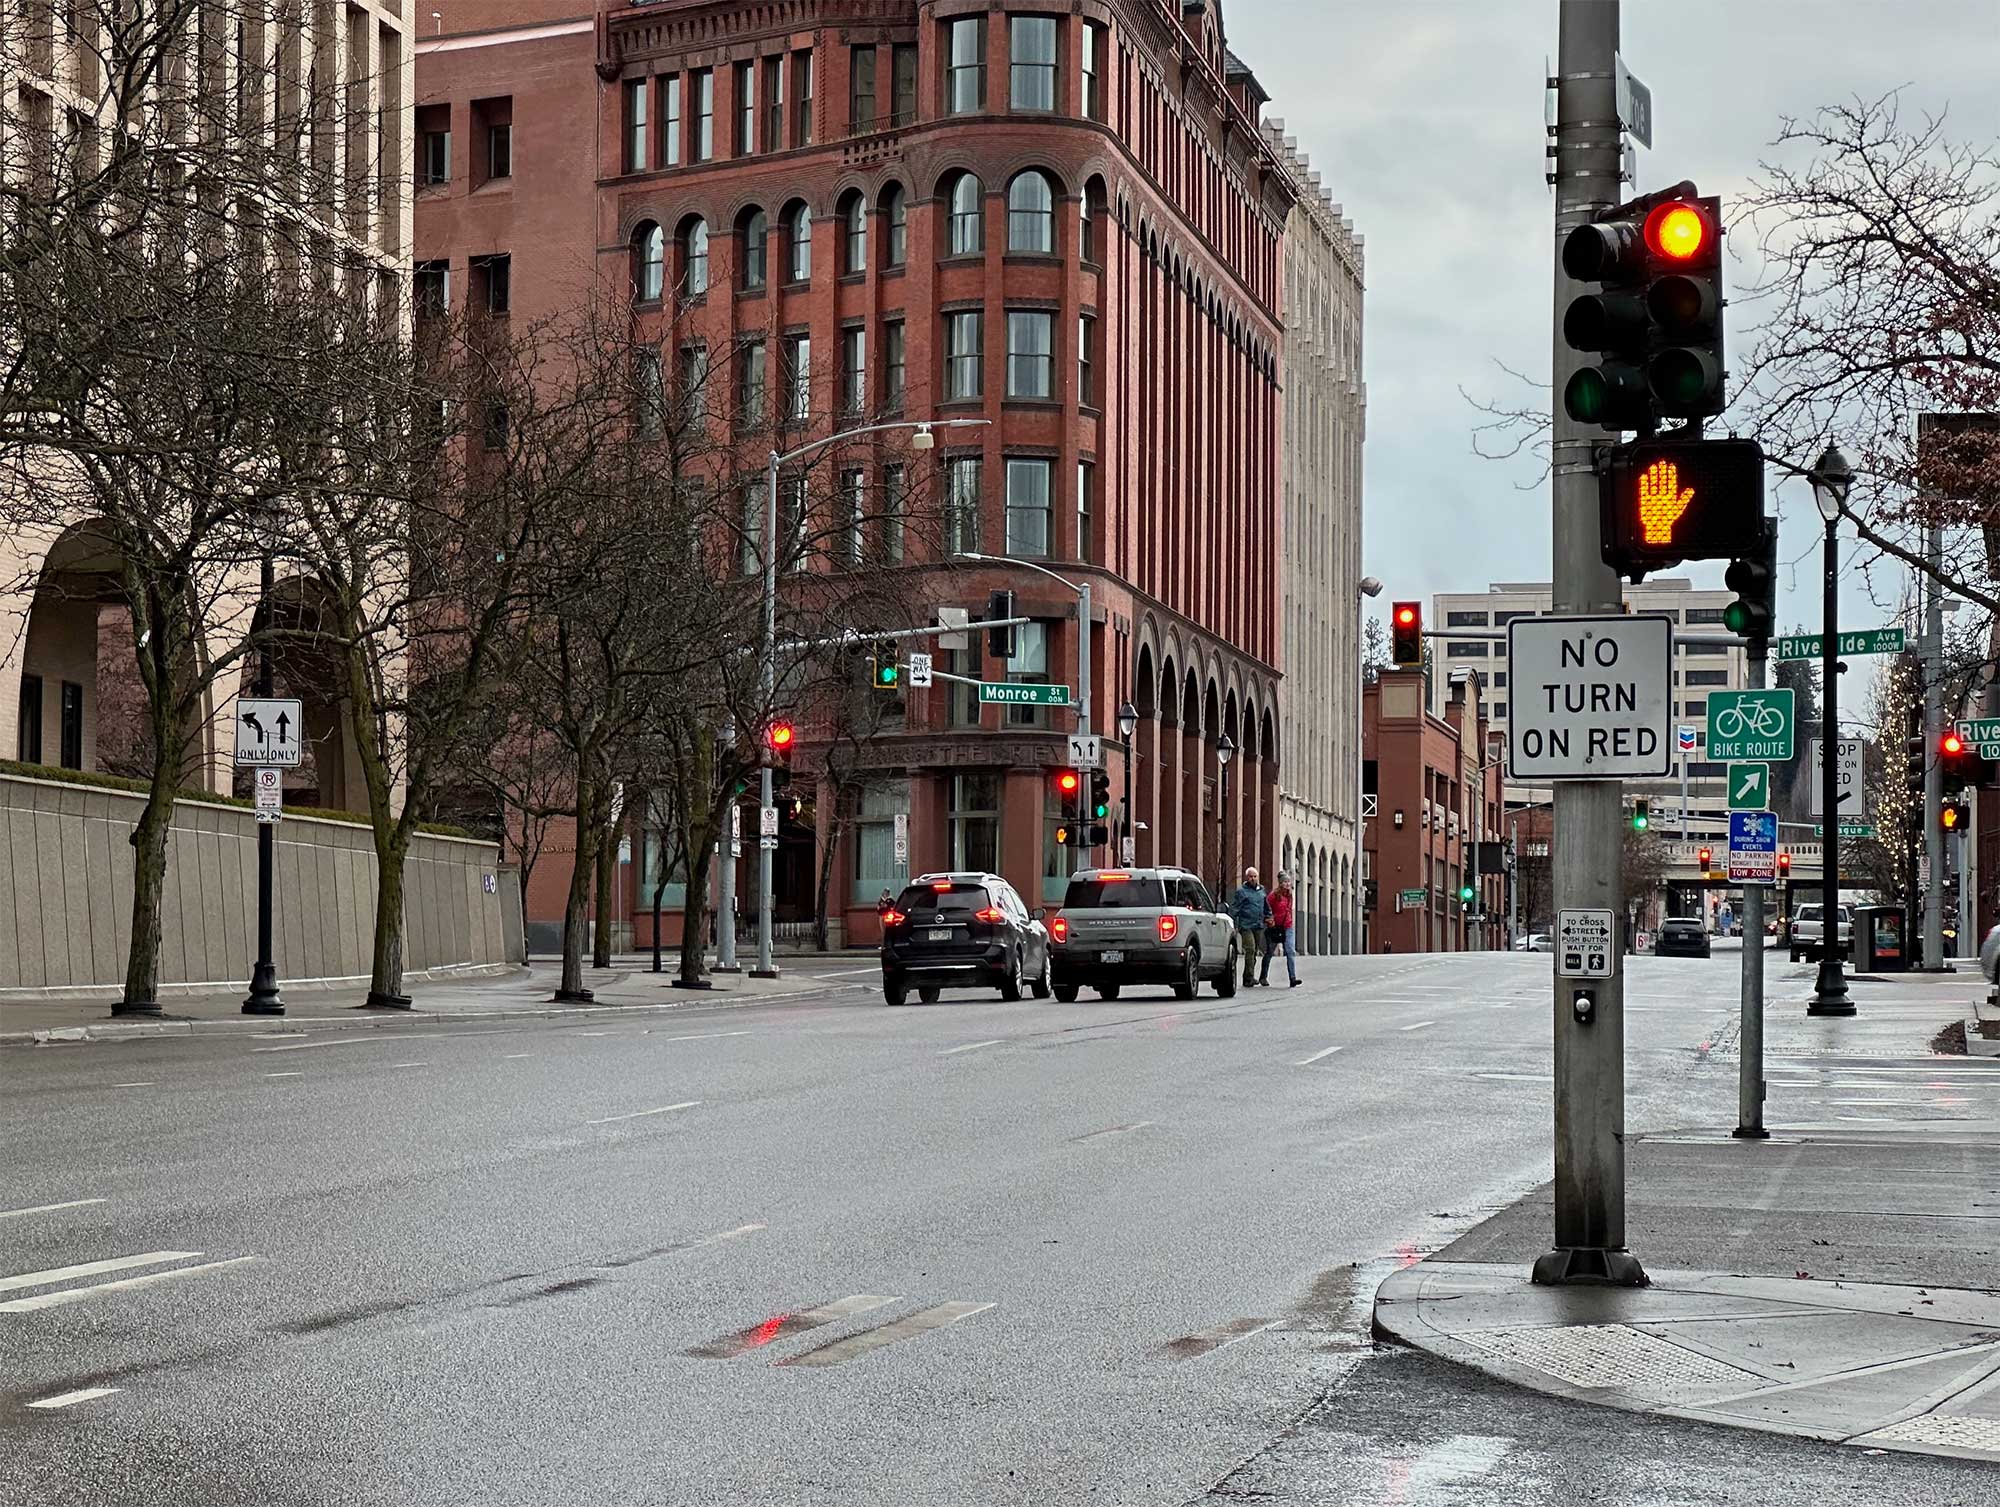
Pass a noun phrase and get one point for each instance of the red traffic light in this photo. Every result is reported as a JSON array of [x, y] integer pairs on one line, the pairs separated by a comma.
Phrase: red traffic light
[[1705, 855], [781, 737], [1784, 863], [1069, 782], [1406, 615], [1952, 744], [1678, 231]]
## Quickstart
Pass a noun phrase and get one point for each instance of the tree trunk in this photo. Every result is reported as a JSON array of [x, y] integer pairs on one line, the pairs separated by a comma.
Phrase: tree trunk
[[576, 912], [385, 974], [149, 883], [607, 869], [828, 852], [698, 842]]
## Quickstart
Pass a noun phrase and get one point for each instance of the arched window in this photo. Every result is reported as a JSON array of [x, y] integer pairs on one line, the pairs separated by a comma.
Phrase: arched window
[[694, 257], [755, 232], [968, 215], [649, 262], [1031, 213], [896, 224], [854, 234], [799, 235]]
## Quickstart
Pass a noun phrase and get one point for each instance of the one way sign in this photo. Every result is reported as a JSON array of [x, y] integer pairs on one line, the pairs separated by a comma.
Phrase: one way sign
[[267, 733]]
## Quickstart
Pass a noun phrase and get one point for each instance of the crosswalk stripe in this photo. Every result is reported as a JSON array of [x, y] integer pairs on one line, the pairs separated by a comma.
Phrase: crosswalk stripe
[[640, 1114], [74, 1203], [70, 1399], [887, 1334], [78, 1294], [782, 1326], [90, 1269]]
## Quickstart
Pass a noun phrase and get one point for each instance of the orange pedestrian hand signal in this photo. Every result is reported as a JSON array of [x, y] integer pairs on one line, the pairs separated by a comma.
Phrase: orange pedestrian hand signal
[[1662, 500]]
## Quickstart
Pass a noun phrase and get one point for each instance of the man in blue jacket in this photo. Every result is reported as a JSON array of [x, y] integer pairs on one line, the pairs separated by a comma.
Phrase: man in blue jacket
[[1250, 910]]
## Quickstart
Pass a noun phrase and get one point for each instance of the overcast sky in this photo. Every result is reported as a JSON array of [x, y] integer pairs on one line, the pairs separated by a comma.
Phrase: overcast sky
[[1424, 118]]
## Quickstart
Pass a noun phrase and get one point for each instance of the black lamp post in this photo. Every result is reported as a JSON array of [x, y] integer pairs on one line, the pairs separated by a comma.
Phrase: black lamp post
[[1832, 478], [1128, 724], [264, 998], [1224, 752]]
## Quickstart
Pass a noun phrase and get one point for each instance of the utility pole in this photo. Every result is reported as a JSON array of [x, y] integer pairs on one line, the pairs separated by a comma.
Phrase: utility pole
[[1932, 661], [1589, 830], [1750, 1036]]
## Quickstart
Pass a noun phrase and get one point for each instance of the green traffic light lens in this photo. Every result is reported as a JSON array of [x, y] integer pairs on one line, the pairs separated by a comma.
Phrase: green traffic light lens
[[1736, 616], [1587, 397]]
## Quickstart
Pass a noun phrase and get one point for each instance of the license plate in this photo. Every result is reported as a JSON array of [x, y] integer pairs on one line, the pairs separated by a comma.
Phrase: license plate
[[941, 934], [1113, 956]]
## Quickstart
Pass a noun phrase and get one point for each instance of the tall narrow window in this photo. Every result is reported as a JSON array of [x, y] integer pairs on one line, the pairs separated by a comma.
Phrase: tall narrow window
[[1032, 60], [1090, 222], [1027, 507], [704, 115], [802, 99], [896, 222], [895, 367], [500, 150], [961, 355], [798, 377], [1030, 354], [754, 508], [649, 393], [861, 90], [1031, 213], [774, 103], [72, 725], [961, 504], [800, 236], [431, 289], [755, 237], [854, 234], [1086, 366], [750, 383], [670, 125], [694, 382], [649, 262], [636, 92], [853, 369], [746, 108], [1086, 488], [28, 726], [895, 495], [965, 70], [854, 491], [497, 275], [794, 525], [694, 258], [968, 215], [903, 86], [1092, 48], [436, 170]]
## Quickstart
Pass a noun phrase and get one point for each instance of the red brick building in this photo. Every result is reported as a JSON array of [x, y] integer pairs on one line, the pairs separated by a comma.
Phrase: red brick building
[[1429, 794], [1059, 218]]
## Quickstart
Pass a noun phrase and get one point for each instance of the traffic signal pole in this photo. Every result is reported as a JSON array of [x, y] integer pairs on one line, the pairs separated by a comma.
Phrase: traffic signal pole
[[1589, 822], [1932, 660], [1750, 1035]]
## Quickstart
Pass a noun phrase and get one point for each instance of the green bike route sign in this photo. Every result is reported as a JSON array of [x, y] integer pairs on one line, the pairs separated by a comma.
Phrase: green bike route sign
[[1018, 693], [1867, 641], [1745, 726]]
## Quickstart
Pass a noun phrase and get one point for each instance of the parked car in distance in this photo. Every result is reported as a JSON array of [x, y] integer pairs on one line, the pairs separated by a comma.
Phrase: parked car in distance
[[1989, 956], [1535, 941], [1140, 926], [962, 929], [1681, 936], [1808, 929]]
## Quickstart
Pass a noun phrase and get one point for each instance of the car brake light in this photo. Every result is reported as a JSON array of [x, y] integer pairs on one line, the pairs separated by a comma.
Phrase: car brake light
[[1168, 926], [1110, 874], [893, 917], [1059, 928], [989, 915], [943, 886]]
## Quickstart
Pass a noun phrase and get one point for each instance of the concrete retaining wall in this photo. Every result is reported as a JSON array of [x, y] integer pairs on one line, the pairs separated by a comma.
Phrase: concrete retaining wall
[[66, 894]]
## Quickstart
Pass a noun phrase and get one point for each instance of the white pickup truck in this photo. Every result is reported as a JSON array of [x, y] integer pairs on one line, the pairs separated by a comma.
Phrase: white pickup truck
[[1809, 928]]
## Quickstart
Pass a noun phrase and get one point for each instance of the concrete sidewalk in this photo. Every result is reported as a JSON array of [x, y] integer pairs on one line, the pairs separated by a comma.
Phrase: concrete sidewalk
[[1839, 1287], [526, 993]]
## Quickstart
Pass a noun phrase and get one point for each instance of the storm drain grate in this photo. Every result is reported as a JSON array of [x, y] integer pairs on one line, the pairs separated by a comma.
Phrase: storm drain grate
[[1609, 1355], [1949, 1433]]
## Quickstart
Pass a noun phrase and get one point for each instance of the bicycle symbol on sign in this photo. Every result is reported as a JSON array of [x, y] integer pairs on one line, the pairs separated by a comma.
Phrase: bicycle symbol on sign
[[1760, 719]]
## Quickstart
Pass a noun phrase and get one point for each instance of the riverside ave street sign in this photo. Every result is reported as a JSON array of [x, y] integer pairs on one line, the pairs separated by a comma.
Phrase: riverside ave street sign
[[1589, 697], [1015, 693], [1867, 641]]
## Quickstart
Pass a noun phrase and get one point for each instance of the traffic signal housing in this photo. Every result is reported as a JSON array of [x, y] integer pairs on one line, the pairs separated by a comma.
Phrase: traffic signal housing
[[1952, 815], [1465, 894], [885, 668], [1069, 803], [1684, 302], [1000, 641], [780, 738], [1100, 795], [1705, 857], [1753, 578], [1642, 815], [1667, 500], [1406, 635], [1784, 866]]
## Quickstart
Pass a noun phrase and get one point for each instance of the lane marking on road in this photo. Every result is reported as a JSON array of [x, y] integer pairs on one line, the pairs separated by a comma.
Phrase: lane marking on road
[[706, 1036], [142, 1083], [1098, 1135], [782, 1325], [1518, 1077], [74, 1203], [355, 1041], [640, 1114], [409, 1064], [514, 1056], [1316, 1056], [1417, 1026], [90, 1269], [1192, 1346], [78, 1294], [293, 1073], [940, 1317], [971, 1046], [71, 1399], [1869, 1119], [1871, 1103]]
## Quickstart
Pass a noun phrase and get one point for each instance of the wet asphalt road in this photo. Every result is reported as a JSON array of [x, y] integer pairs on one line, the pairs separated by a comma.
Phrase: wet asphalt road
[[816, 1250]]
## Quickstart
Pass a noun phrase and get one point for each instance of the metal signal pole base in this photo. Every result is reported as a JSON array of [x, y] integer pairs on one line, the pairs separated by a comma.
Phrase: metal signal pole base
[[1590, 1266], [264, 996], [1830, 996], [1751, 1133], [764, 973]]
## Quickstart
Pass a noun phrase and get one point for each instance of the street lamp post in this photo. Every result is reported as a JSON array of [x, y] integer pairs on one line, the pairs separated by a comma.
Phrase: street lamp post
[[1128, 724], [1832, 478], [767, 967], [1224, 752], [264, 997]]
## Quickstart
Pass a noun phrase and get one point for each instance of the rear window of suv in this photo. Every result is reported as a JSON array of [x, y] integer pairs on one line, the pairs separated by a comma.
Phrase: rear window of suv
[[965, 897], [1104, 892]]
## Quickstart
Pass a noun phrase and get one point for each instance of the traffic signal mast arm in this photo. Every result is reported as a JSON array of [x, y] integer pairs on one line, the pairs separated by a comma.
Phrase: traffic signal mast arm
[[855, 638]]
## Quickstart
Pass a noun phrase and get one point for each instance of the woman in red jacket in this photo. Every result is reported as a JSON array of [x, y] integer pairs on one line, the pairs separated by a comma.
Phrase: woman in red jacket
[[1279, 932]]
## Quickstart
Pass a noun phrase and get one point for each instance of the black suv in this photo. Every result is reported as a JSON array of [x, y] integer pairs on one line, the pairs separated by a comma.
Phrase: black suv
[[962, 929]]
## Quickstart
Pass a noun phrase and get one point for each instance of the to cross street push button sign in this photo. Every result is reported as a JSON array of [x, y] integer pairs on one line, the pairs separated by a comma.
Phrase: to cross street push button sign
[[1583, 944], [1589, 698]]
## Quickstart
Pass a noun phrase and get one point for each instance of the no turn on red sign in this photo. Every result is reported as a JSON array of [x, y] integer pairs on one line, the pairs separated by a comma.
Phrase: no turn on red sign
[[1589, 698]]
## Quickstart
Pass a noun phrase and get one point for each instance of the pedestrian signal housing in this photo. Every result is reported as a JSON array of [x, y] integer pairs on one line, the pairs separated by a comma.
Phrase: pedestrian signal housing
[[1664, 501]]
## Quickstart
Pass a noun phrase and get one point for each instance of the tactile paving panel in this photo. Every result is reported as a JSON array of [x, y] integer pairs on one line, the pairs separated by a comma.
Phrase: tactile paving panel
[[1946, 1432], [1610, 1355]]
